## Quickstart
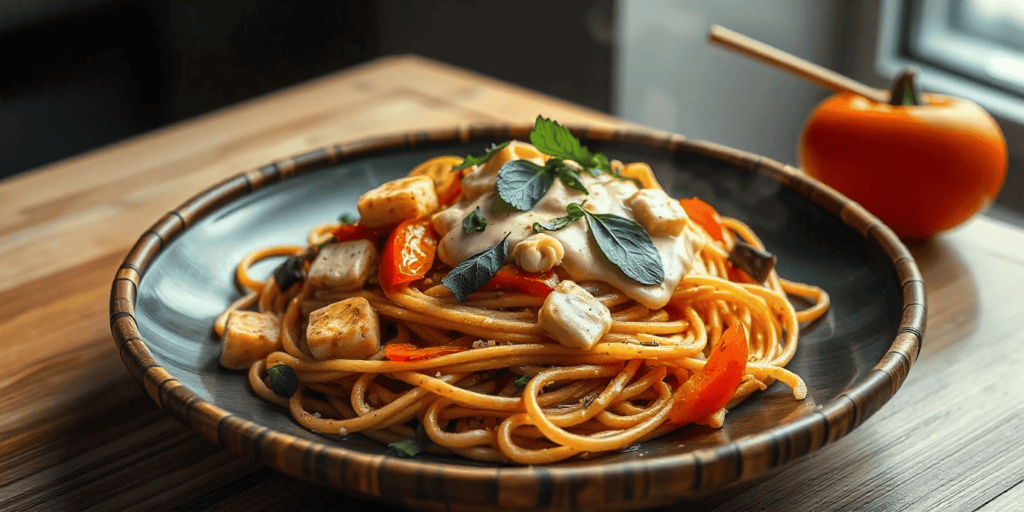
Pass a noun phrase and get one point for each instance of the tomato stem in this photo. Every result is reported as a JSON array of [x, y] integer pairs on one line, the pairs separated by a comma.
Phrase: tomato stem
[[904, 91]]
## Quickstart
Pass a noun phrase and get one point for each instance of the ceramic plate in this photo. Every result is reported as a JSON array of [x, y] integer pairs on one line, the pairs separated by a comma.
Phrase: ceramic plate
[[179, 277]]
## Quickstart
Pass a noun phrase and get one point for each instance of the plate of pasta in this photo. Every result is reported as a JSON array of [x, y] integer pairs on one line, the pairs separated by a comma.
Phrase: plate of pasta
[[521, 316]]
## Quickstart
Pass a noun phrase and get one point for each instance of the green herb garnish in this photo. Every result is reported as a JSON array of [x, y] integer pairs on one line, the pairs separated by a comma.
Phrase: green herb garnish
[[624, 242], [347, 219], [575, 213], [283, 380], [553, 139], [406, 448], [468, 276], [471, 160], [569, 175], [521, 382], [522, 183], [474, 222]]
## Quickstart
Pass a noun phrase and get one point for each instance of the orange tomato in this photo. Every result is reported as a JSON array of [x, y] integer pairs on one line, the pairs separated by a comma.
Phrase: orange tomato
[[921, 169], [409, 352], [408, 254], [711, 388], [512, 277], [704, 215]]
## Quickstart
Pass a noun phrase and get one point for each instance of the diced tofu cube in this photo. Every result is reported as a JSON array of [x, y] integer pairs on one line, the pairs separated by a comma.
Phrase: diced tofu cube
[[658, 213], [538, 253], [248, 337], [348, 329], [343, 266], [395, 201], [573, 317]]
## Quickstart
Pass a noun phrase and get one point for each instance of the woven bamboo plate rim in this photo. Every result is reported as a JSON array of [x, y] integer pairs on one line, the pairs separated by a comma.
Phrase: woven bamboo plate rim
[[415, 482]]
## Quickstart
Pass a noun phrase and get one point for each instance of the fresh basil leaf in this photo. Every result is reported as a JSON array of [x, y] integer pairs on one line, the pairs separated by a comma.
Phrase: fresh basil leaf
[[521, 183], [575, 213], [569, 176], [521, 382], [471, 160], [474, 222], [553, 139], [290, 272], [628, 246], [468, 276], [406, 448], [283, 380]]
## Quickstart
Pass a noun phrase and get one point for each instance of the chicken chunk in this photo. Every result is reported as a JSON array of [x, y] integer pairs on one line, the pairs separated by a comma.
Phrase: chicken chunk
[[573, 317], [348, 329], [248, 337], [658, 213], [397, 200], [342, 267], [538, 253]]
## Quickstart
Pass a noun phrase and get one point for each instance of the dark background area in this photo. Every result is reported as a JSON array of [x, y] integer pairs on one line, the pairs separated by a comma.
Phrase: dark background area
[[82, 74]]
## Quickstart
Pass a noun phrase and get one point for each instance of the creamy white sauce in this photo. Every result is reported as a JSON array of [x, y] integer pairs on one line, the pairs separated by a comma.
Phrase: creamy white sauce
[[583, 260]]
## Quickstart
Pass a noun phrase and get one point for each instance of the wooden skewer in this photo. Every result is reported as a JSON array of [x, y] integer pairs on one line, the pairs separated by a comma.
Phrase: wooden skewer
[[787, 62]]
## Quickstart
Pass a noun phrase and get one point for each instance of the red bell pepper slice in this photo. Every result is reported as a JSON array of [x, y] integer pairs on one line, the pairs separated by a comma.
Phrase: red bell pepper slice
[[357, 231], [711, 388], [408, 253], [703, 214], [408, 352], [512, 277]]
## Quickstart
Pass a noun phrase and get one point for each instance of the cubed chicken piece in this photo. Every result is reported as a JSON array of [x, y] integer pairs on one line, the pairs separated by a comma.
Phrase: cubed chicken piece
[[397, 200], [343, 266], [348, 329], [658, 213], [248, 337], [573, 317], [538, 253]]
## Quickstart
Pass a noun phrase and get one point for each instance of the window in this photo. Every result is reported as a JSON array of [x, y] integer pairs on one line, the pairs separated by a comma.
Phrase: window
[[969, 48]]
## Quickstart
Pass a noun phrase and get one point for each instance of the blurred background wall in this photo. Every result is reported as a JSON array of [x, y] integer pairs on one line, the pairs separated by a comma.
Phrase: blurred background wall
[[80, 74]]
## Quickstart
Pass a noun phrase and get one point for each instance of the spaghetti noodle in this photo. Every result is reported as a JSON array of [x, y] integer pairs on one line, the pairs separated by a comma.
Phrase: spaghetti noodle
[[485, 377]]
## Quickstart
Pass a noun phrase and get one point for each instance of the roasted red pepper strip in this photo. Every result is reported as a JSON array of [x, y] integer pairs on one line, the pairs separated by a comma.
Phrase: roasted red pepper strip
[[711, 388], [408, 253], [512, 277], [408, 352], [703, 214], [357, 231]]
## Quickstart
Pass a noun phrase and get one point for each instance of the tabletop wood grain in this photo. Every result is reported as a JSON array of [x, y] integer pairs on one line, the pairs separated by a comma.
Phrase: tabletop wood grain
[[77, 433]]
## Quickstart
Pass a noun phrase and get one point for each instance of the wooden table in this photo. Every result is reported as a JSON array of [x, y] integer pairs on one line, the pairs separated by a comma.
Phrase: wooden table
[[76, 432]]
